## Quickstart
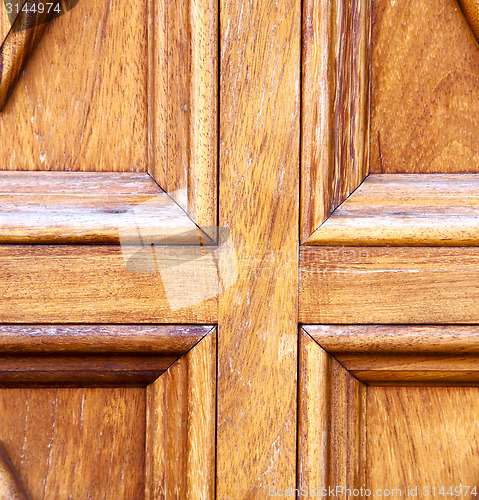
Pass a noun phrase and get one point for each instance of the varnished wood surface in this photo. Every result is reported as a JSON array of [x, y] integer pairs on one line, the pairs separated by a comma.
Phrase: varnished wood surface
[[159, 339], [84, 443], [10, 484], [425, 339], [471, 12], [182, 100], [335, 106], [332, 422], [389, 285], [92, 284], [422, 436], [403, 354], [71, 208], [81, 103], [406, 210], [91, 355], [425, 88], [19, 42], [259, 186], [181, 427]]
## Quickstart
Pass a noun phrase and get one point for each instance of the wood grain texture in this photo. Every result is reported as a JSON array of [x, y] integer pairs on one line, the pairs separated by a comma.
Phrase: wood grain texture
[[422, 436], [91, 355], [425, 88], [403, 355], [335, 105], [406, 210], [471, 12], [81, 103], [61, 208], [10, 484], [181, 426], [259, 186], [92, 284], [398, 285], [83, 443], [331, 426], [20, 42], [183, 100], [400, 339]]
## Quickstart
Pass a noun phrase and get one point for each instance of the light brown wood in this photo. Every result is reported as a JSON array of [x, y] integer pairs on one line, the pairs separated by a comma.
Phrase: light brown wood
[[10, 484], [259, 186], [84, 443], [92, 284], [331, 426], [389, 285], [20, 41], [422, 436], [181, 426], [81, 103], [425, 88], [406, 210], [182, 99], [335, 106], [72, 208], [91, 355]]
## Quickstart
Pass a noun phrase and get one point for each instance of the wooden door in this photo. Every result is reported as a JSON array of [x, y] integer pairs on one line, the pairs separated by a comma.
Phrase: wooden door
[[238, 249], [388, 285]]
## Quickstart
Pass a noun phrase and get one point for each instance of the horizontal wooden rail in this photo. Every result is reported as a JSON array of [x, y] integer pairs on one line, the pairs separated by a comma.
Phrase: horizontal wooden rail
[[406, 210], [403, 355], [91, 208], [94, 355]]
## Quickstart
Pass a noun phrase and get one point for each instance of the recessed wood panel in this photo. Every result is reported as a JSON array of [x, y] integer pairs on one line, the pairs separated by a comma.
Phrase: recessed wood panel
[[83, 443], [425, 88], [81, 102], [422, 436]]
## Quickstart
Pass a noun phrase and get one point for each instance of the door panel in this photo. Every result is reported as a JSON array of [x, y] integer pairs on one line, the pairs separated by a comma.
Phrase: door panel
[[88, 443], [424, 88]]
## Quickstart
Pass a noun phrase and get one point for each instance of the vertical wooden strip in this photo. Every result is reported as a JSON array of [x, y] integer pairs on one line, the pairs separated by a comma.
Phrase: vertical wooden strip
[[313, 414], [360, 49], [335, 106], [180, 444], [341, 33], [259, 184], [183, 95], [203, 109], [331, 425], [318, 84], [338, 458]]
